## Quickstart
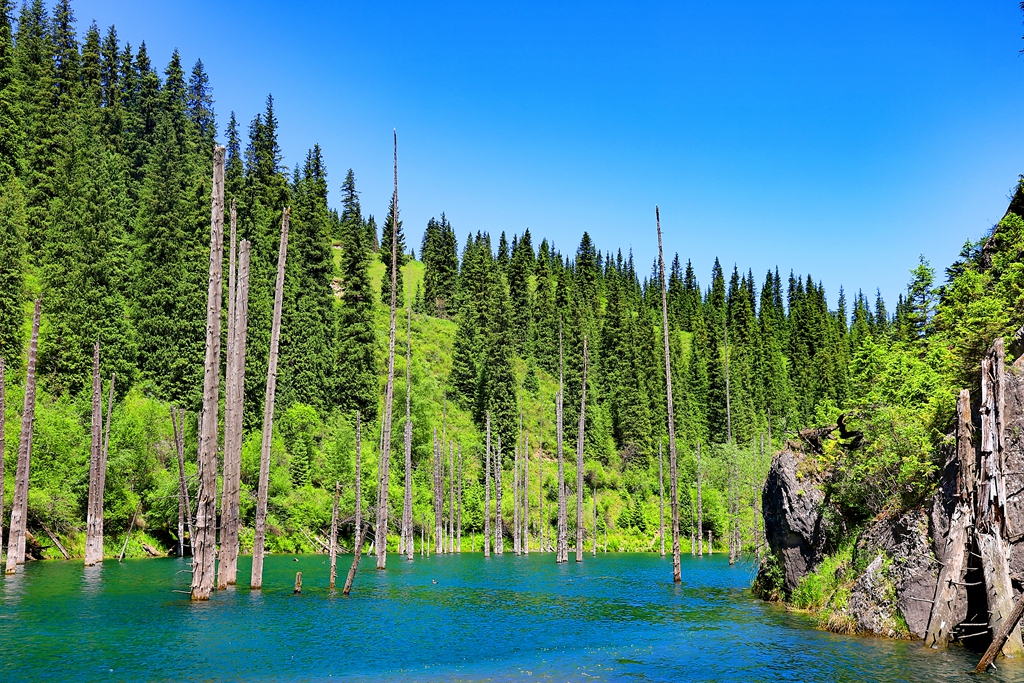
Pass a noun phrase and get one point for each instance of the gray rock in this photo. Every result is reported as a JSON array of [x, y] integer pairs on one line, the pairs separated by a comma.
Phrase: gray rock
[[900, 577], [792, 505]]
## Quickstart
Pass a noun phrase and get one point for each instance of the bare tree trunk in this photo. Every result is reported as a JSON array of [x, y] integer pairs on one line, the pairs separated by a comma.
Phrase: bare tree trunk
[[184, 506], [700, 509], [128, 535], [451, 497], [228, 553], [499, 527], [459, 541], [953, 567], [389, 393], [562, 547], [580, 441], [526, 495], [487, 490], [661, 497], [259, 539], [593, 496], [334, 534], [732, 509], [516, 545], [230, 498], [355, 561], [673, 470], [3, 445], [206, 512], [437, 492], [358, 547], [94, 547], [19, 507], [405, 542]]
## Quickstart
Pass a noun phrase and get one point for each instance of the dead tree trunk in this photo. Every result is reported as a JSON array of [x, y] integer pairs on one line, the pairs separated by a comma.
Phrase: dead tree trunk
[[437, 492], [999, 639], [228, 552], [954, 560], [406, 538], [259, 539], [700, 509], [458, 543], [499, 527], [334, 534], [389, 392], [516, 543], [358, 547], [580, 441], [451, 497], [661, 497], [991, 525], [487, 489], [19, 507], [232, 485], [593, 497], [562, 542], [206, 512], [94, 545], [676, 576], [526, 494], [3, 444], [732, 510], [355, 561], [129, 535], [184, 505]]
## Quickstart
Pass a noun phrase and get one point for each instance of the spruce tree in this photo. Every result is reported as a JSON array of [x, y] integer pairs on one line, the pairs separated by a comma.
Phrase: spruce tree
[[12, 272]]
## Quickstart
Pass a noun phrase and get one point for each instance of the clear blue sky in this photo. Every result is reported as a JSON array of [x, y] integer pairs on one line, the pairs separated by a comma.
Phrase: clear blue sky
[[841, 139]]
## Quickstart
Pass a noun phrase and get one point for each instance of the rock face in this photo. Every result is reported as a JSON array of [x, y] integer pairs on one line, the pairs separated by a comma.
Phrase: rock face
[[900, 577], [793, 524]]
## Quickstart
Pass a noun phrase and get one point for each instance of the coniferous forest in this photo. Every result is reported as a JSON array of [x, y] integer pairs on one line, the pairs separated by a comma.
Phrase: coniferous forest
[[105, 185]]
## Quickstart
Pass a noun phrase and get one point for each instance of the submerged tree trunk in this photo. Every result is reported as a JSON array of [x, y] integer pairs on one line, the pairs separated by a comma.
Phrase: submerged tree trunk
[[259, 539], [499, 527], [381, 532], [184, 506], [358, 547], [700, 509], [355, 561], [232, 485], [672, 465], [206, 512], [3, 444], [661, 497], [458, 543], [406, 538], [334, 534], [94, 518], [437, 492], [593, 497], [562, 547], [451, 498], [580, 441], [226, 557], [19, 507], [526, 494], [516, 539], [487, 489]]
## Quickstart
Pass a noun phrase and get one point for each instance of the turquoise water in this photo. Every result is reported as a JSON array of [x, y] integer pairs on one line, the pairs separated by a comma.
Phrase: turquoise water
[[616, 617]]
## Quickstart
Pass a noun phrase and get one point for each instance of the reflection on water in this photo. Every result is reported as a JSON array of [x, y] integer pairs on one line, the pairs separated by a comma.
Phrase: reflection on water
[[615, 617]]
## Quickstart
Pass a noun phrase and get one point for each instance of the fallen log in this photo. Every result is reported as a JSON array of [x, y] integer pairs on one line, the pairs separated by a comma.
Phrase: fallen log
[[1009, 626]]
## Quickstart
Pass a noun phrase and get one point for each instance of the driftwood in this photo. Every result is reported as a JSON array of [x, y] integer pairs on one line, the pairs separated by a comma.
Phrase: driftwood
[[259, 539], [19, 507], [151, 551], [954, 562], [580, 441], [384, 463], [672, 465], [334, 535], [1000, 638], [204, 543], [298, 583], [487, 488], [562, 540], [94, 517]]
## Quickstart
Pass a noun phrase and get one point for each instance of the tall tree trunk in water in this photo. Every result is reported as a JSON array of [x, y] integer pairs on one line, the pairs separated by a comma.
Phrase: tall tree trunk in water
[[458, 543], [232, 485], [700, 509], [562, 541], [672, 465], [256, 581], [593, 497], [526, 494], [184, 505], [405, 541], [381, 536], [238, 318], [516, 545], [19, 507], [334, 534], [437, 492], [732, 510], [357, 547], [451, 497], [487, 490], [3, 408], [580, 441], [661, 497], [93, 531], [228, 558], [206, 512], [499, 527]]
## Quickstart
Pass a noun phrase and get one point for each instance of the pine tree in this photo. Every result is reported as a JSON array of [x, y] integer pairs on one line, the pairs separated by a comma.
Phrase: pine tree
[[12, 273], [11, 134], [520, 269]]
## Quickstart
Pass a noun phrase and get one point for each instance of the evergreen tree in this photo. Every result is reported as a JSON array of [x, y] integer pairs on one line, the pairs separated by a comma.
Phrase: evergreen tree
[[12, 272]]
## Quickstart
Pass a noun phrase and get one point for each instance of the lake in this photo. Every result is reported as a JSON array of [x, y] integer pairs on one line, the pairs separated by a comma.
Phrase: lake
[[615, 617]]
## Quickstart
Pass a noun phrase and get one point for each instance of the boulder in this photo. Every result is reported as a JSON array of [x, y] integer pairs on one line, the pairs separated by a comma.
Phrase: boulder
[[900, 577], [793, 505]]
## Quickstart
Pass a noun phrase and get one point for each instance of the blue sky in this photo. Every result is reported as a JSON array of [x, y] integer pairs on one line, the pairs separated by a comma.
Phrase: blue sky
[[840, 139]]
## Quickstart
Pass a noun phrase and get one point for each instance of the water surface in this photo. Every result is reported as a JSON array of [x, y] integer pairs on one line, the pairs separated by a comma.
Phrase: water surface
[[616, 617]]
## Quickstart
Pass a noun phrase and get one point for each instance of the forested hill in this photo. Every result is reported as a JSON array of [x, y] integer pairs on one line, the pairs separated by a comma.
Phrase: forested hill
[[105, 164]]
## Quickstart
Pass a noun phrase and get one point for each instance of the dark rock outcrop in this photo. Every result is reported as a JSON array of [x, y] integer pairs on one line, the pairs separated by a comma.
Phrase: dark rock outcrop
[[793, 524]]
